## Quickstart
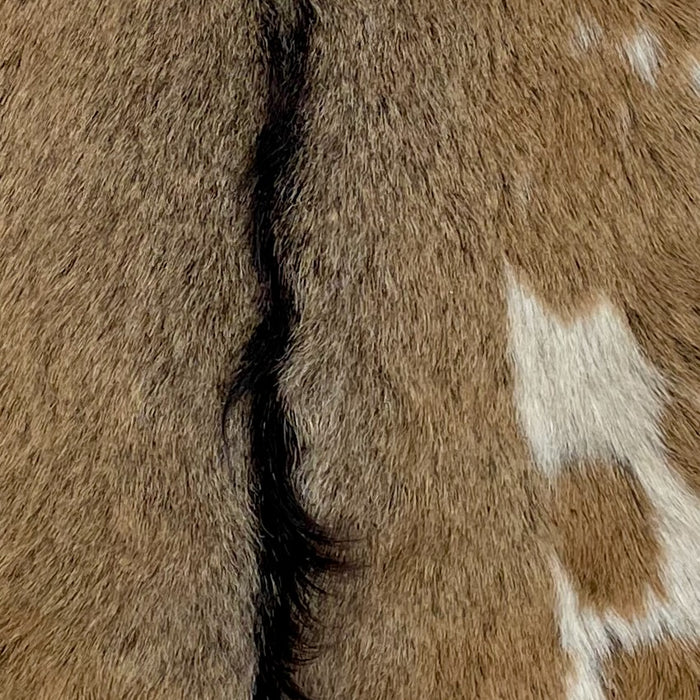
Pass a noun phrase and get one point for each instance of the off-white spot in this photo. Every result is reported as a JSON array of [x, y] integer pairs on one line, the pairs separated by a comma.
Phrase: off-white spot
[[584, 391], [586, 34], [581, 388], [583, 643], [695, 74], [643, 52]]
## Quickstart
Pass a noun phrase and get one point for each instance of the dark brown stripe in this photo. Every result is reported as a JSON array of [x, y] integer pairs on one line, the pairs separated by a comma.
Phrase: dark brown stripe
[[291, 544]]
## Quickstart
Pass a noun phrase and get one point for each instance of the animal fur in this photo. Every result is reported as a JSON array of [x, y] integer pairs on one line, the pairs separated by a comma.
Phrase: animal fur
[[127, 554], [434, 264]]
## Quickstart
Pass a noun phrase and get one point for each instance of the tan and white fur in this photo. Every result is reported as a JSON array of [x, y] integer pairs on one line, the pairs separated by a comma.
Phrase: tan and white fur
[[491, 231]]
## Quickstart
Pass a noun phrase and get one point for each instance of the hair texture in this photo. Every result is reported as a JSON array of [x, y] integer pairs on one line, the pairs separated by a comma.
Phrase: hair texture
[[293, 550], [128, 565], [434, 265], [494, 247]]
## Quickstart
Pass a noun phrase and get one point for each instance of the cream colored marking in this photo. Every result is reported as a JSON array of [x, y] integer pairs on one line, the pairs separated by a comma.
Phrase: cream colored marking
[[585, 645], [695, 74], [586, 35], [643, 52], [584, 391]]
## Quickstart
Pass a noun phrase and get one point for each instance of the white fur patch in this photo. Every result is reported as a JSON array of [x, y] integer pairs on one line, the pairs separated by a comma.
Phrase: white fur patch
[[643, 51], [695, 74], [584, 391], [585, 644], [581, 389], [586, 35]]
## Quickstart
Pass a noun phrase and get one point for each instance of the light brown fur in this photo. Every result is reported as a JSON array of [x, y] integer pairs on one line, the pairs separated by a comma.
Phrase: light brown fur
[[669, 671], [126, 556], [448, 138], [450, 149], [603, 525]]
